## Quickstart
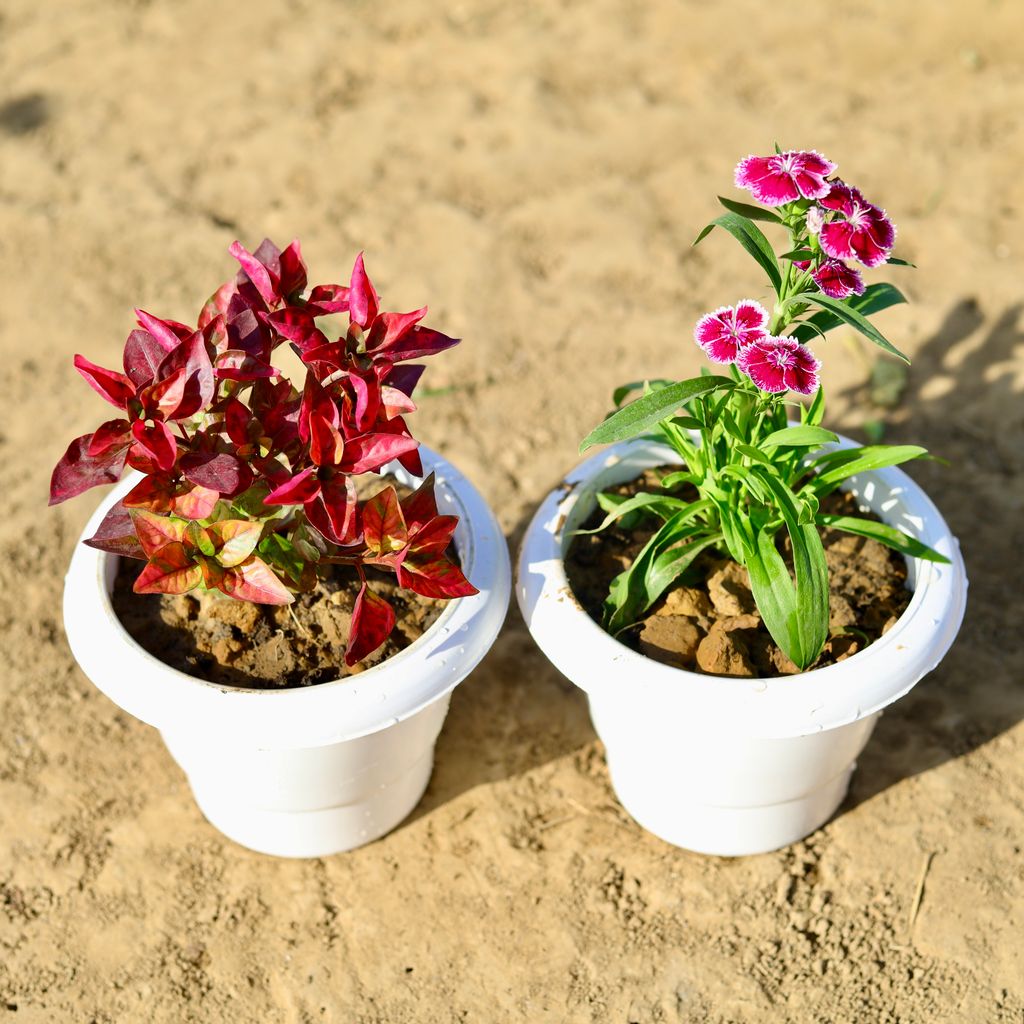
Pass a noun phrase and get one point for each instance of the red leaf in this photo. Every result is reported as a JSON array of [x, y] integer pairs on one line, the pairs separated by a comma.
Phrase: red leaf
[[77, 470], [417, 344], [199, 384], [234, 364], [372, 621], [155, 493], [328, 298], [165, 396], [404, 378], [117, 535], [318, 424], [115, 387], [293, 270], [433, 537], [255, 581], [217, 303], [383, 524], [260, 276], [363, 302], [334, 512], [169, 334], [297, 490], [143, 355], [368, 452], [157, 442], [298, 326], [170, 571], [436, 577], [220, 472], [112, 434], [390, 328], [367, 404], [156, 532], [420, 507]]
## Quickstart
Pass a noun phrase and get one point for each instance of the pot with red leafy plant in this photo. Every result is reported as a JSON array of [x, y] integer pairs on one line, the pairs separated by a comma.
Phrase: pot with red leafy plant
[[719, 581], [255, 513]]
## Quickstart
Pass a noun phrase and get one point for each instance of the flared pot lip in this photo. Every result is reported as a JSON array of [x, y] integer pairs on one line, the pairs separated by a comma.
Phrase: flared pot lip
[[776, 707], [309, 716]]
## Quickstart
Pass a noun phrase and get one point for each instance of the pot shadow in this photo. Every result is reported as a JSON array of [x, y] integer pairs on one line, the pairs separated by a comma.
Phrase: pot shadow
[[514, 713], [964, 404]]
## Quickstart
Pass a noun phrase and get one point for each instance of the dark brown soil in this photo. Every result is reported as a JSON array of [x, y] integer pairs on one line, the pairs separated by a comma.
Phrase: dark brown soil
[[708, 621], [236, 643]]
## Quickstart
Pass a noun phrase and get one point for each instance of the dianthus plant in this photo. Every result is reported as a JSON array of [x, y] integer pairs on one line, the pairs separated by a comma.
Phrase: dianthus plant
[[248, 485], [758, 477]]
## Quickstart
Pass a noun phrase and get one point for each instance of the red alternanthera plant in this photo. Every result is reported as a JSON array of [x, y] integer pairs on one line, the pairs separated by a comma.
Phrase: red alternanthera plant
[[247, 483], [756, 476]]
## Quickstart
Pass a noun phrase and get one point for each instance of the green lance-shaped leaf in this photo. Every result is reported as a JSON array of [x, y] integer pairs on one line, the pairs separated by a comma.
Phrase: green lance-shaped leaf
[[810, 629], [637, 385], [798, 437], [750, 236], [750, 212], [660, 505], [640, 416], [835, 467], [813, 414], [859, 322], [876, 297], [632, 592], [884, 534]]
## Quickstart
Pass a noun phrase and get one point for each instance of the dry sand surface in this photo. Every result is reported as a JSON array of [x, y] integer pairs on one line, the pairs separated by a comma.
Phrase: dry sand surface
[[536, 171]]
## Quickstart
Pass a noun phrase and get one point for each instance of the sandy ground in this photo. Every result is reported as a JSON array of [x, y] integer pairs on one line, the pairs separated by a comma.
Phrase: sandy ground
[[537, 172]]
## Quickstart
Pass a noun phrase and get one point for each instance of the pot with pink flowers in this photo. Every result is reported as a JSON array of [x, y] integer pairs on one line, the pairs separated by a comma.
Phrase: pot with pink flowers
[[739, 590], [286, 585]]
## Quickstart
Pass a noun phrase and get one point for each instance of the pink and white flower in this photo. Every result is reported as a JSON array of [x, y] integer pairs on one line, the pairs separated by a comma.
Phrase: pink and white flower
[[837, 279], [861, 231], [780, 364], [723, 333], [785, 177]]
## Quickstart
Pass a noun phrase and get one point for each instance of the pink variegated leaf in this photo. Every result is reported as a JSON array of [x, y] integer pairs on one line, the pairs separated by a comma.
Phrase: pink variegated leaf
[[161, 399], [420, 507], [115, 387], [220, 472], [255, 581], [296, 490], [234, 540], [109, 435], [433, 537], [368, 452], [395, 402], [434, 577], [372, 621], [266, 283], [156, 532], [334, 513], [156, 442], [77, 470], [153, 493], [217, 304], [169, 334], [143, 355], [213, 573], [384, 530], [293, 271], [193, 501], [363, 302], [325, 299], [418, 343], [171, 570], [117, 535], [215, 334]]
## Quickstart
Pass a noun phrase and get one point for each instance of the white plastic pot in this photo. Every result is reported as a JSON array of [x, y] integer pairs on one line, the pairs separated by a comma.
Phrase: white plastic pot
[[309, 771], [722, 765]]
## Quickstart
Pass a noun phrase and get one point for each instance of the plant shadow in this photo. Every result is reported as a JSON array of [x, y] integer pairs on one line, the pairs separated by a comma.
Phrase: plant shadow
[[964, 404]]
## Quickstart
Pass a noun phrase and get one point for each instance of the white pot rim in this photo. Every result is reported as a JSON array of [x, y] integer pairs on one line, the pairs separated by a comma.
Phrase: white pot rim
[[776, 707], [309, 716]]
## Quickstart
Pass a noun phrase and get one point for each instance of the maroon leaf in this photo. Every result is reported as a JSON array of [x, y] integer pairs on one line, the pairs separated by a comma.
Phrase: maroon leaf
[[293, 270], [390, 328], [260, 276], [77, 470], [117, 535], [416, 344], [221, 472], [367, 404], [234, 364], [112, 434], [363, 302], [433, 538], [143, 355], [115, 387], [297, 490], [156, 442], [420, 507], [334, 512], [372, 621], [404, 378], [199, 384], [160, 400]]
